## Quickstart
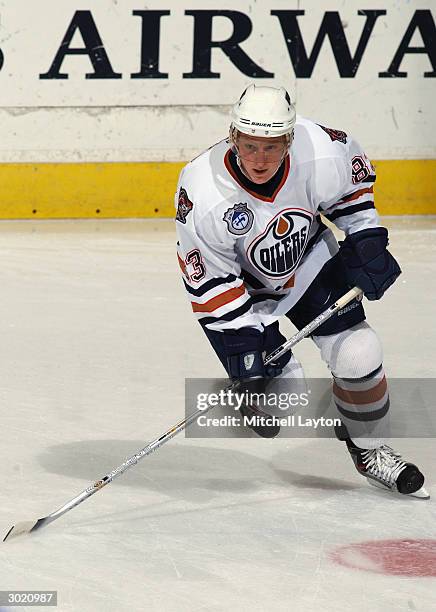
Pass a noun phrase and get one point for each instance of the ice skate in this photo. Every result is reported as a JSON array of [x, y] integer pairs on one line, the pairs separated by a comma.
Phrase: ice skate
[[385, 468]]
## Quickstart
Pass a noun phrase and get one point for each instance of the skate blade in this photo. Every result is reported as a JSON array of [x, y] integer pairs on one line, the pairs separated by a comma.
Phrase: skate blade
[[421, 493]]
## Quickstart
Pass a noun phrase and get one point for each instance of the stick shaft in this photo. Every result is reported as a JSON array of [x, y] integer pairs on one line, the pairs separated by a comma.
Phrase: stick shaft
[[133, 460]]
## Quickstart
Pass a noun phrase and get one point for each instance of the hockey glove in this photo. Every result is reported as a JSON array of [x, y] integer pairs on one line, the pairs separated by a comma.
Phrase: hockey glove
[[245, 349], [368, 264]]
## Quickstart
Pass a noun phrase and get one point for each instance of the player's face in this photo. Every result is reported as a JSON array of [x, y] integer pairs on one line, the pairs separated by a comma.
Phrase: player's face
[[260, 157]]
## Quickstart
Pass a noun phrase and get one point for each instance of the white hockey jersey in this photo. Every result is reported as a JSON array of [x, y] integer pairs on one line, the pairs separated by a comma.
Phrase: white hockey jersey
[[247, 259]]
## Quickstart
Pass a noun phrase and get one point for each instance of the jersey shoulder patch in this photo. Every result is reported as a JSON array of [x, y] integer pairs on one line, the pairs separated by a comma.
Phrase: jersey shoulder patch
[[184, 206], [334, 134]]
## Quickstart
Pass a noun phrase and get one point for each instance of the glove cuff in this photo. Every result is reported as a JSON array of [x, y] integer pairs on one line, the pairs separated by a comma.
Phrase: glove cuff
[[362, 247]]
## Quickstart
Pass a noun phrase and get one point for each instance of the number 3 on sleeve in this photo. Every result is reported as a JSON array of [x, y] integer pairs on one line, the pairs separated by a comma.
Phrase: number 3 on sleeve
[[194, 259]]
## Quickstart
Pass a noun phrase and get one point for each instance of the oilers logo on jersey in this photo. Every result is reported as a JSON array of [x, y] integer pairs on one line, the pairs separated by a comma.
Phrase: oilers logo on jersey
[[239, 219], [278, 250]]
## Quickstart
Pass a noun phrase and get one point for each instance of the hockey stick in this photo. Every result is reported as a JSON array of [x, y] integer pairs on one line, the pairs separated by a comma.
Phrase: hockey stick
[[29, 526]]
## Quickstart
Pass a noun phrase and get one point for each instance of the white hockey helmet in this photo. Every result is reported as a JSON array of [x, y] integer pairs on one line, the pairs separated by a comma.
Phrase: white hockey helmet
[[264, 111]]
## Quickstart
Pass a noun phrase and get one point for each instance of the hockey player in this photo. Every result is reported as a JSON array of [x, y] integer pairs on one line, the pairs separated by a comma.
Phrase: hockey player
[[252, 247]]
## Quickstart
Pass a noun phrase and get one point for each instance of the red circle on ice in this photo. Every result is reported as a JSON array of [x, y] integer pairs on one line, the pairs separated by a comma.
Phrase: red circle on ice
[[391, 557]]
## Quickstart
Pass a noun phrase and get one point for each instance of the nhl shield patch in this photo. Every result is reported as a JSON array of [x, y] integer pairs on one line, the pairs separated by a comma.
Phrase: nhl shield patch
[[239, 219]]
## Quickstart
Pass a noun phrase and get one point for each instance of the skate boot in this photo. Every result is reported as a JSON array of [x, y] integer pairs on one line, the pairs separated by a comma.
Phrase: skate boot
[[263, 424], [383, 467]]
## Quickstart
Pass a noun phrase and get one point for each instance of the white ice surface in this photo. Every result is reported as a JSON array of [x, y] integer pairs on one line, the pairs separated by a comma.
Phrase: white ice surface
[[97, 338]]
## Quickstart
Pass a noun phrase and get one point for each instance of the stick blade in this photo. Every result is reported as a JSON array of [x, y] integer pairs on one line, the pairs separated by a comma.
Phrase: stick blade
[[21, 528]]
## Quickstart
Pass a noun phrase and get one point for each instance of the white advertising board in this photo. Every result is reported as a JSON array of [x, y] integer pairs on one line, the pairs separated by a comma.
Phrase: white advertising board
[[365, 67]]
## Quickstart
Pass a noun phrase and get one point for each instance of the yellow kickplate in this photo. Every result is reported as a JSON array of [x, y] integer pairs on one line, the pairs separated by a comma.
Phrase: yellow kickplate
[[146, 189]]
